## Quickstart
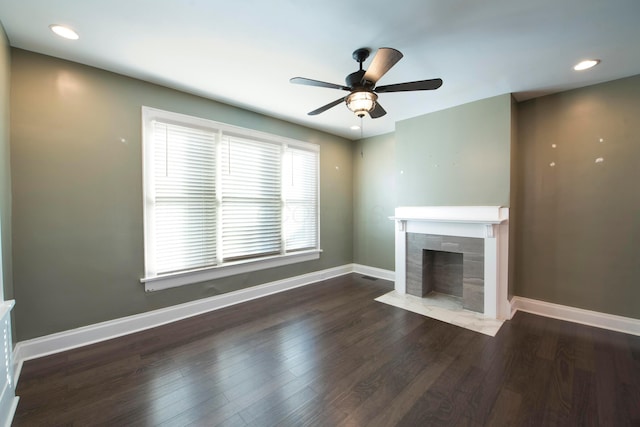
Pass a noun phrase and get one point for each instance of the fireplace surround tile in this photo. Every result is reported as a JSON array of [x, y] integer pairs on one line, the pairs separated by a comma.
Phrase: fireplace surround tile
[[439, 254], [473, 296]]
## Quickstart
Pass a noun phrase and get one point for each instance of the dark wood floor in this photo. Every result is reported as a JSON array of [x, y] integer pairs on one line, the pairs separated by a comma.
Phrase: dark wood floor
[[329, 355]]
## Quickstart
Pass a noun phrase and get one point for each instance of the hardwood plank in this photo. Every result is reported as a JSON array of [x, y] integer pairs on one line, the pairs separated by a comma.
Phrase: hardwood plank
[[329, 355], [584, 408], [505, 409], [396, 408], [560, 394], [447, 401], [342, 392], [611, 382]]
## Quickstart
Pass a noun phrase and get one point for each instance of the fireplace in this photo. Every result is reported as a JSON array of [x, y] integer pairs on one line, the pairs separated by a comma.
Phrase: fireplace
[[461, 251]]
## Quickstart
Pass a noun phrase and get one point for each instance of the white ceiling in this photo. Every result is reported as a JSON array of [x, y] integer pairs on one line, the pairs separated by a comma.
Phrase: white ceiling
[[244, 52]]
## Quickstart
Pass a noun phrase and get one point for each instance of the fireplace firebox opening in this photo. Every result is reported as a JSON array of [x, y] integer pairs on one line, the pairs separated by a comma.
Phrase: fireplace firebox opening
[[448, 265]]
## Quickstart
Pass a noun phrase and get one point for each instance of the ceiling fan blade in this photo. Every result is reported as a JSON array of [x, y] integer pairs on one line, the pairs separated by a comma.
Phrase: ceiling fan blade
[[377, 111], [310, 82], [409, 86], [385, 58], [326, 107]]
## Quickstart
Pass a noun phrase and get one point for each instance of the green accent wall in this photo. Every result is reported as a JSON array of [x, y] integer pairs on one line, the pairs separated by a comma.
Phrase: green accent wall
[[5, 168], [578, 240], [456, 157], [77, 194]]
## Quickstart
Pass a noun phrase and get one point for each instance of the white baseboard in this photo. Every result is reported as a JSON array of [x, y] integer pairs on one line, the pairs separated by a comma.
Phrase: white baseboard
[[74, 338], [6, 418], [374, 272], [577, 315]]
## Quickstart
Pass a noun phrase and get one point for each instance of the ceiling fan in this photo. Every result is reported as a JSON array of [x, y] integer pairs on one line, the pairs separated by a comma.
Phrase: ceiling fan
[[361, 85]]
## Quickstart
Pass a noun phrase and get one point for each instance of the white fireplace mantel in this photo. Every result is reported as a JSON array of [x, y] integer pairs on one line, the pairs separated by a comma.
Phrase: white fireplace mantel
[[477, 221], [486, 222], [472, 214]]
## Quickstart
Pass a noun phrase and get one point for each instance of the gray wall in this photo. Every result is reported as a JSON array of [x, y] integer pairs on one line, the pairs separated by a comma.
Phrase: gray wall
[[77, 194], [5, 167], [374, 201], [579, 222], [513, 199], [458, 156]]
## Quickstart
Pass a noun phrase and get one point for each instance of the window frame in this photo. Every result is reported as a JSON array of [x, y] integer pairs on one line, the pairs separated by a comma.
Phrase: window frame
[[154, 282]]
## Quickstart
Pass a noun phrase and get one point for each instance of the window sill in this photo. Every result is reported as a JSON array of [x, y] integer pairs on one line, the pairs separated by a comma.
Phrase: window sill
[[165, 281]]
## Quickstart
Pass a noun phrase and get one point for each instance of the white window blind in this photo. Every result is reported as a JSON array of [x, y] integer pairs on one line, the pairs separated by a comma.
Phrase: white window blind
[[300, 185], [184, 198], [251, 198], [217, 196]]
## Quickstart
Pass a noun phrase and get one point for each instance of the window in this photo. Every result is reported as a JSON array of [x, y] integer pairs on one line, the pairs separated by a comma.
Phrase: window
[[222, 200]]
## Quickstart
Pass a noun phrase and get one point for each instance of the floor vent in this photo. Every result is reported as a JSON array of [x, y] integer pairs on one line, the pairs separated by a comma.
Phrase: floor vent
[[369, 278]]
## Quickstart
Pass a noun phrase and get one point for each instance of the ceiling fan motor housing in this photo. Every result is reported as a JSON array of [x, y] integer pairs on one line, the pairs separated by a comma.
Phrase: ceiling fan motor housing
[[354, 80]]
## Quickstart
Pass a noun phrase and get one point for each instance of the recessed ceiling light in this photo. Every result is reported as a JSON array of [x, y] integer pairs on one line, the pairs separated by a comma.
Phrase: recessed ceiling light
[[355, 127], [585, 65], [65, 32]]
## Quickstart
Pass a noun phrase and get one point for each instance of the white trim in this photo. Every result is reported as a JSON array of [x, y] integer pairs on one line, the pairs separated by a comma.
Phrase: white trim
[[74, 338], [166, 281], [17, 365], [8, 398], [8, 417], [152, 113], [374, 272], [611, 322], [466, 214]]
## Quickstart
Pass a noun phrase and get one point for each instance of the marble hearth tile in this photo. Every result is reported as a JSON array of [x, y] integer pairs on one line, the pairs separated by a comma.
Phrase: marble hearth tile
[[445, 308]]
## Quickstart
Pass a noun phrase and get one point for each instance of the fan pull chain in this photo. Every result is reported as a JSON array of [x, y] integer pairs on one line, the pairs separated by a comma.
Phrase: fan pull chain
[[361, 136]]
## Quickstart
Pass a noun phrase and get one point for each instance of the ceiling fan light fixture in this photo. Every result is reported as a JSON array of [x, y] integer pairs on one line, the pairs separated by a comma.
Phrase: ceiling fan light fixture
[[361, 102]]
